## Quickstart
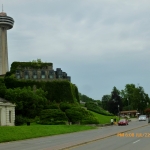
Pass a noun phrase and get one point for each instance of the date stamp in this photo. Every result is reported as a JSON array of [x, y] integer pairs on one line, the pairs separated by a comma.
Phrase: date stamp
[[140, 135]]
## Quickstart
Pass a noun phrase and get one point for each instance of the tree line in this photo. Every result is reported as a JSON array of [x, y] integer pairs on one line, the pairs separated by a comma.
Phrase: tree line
[[132, 97]]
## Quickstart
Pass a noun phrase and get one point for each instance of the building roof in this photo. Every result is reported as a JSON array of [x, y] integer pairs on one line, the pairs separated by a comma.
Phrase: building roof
[[3, 14], [4, 102], [130, 111]]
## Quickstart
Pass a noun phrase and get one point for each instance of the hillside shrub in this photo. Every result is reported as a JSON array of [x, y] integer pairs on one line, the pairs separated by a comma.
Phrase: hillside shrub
[[57, 91], [52, 116], [94, 107], [78, 114], [64, 106]]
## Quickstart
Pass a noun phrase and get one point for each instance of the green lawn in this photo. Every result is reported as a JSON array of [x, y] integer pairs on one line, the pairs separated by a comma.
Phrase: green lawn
[[14, 133], [103, 119]]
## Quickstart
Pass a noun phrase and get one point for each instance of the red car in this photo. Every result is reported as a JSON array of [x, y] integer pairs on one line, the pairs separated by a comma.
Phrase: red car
[[123, 122]]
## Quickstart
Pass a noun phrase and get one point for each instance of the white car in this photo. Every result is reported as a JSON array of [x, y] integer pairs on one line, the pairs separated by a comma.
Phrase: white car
[[142, 118]]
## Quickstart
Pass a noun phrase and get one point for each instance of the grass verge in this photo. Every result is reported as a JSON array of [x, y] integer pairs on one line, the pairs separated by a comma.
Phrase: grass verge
[[103, 119], [15, 133]]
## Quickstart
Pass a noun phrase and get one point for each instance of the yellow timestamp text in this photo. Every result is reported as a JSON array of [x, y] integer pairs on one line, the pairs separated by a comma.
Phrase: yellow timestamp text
[[140, 135]]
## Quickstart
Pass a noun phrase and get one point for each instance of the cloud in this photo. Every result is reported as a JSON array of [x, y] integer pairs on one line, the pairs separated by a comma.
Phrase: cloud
[[100, 44]]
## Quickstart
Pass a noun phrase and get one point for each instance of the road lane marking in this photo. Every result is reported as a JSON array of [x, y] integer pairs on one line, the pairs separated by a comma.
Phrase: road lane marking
[[136, 141]]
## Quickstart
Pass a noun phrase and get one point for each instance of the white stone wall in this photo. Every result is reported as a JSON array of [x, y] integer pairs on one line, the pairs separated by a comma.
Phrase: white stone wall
[[7, 114]]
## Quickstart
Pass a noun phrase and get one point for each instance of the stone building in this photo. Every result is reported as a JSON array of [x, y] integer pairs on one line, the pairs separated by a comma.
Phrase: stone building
[[44, 73], [7, 113]]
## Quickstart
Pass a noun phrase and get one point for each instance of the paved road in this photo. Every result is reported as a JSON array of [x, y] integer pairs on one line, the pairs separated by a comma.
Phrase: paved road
[[64, 141], [138, 139]]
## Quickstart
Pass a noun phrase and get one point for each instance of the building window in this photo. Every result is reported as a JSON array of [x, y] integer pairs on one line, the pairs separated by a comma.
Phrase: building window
[[17, 74], [26, 75], [51, 74], [34, 75], [58, 73], [10, 116], [59, 76], [43, 74]]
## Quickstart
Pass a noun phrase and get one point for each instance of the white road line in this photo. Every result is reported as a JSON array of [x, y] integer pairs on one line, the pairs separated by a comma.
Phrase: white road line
[[136, 141]]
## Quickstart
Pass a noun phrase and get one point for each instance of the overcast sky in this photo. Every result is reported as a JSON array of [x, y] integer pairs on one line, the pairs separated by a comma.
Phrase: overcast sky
[[99, 43]]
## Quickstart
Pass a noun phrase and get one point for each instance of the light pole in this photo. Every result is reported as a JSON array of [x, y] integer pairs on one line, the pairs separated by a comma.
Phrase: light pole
[[118, 113], [128, 103], [147, 104]]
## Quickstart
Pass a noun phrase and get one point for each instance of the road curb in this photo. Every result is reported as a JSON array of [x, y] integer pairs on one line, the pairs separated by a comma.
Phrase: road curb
[[82, 143]]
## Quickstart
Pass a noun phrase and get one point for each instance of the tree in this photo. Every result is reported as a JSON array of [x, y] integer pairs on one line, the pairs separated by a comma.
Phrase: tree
[[28, 103], [2, 88], [105, 101], [85, 98], [134, 98], [115, 103]]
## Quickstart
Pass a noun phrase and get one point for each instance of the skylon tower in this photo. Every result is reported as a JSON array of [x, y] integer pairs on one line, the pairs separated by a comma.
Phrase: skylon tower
[[6, 23]]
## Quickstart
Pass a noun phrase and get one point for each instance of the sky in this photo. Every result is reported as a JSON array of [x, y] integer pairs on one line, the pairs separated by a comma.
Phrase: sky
[[99, 43]]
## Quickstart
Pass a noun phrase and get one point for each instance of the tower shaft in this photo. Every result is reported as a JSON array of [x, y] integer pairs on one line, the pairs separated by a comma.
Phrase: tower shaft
[[3, 51], [6, 23]]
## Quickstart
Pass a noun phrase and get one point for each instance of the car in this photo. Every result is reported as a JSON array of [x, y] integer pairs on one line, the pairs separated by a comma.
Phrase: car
[[142, 118], [122, 122]]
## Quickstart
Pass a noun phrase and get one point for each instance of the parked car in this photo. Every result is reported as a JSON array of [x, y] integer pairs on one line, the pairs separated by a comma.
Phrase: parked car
[[123, 122], [142, 118]]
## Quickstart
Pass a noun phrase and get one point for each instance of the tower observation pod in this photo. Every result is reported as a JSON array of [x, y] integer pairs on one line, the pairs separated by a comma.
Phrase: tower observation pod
[[6, 23]]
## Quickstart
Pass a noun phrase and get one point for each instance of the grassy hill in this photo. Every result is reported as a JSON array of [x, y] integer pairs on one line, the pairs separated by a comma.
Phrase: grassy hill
[[102, 118]]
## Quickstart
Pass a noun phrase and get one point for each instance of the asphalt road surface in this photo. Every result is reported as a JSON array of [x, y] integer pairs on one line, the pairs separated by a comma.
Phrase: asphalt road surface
[[137, 135], [138, 139]]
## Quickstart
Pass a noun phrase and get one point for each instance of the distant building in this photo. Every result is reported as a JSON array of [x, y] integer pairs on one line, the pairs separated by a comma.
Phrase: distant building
[[130, 113], [45, 72]]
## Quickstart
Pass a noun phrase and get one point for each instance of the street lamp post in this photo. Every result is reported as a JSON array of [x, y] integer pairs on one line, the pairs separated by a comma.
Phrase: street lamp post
[[148, 114], [128, 103], [118, 113]]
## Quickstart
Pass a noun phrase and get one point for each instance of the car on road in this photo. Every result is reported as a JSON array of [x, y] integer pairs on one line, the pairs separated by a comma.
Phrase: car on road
[[122, 122], [142, 118]]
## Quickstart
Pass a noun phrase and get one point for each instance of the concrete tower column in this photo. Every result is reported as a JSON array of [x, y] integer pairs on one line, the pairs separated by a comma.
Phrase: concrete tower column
[[6, 23]]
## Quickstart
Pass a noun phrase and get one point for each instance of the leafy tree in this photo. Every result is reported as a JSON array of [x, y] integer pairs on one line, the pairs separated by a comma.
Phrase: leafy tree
[[85, 98], [105, 100], [134, 98], [99, 103], [115, 103], [28, 103], [2, 88]]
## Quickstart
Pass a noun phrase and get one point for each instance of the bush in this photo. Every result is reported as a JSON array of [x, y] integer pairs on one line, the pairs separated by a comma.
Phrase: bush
[[78, 114], [89, 118], [64, 106], [74, 115], [19, 120], [90, 121], [53, 106], [52, 116]]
